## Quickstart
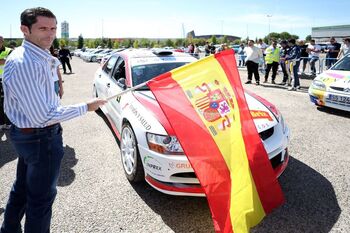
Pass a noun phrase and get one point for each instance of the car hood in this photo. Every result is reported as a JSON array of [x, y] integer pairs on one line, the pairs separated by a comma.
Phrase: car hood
[[335, 78], [261, 114]]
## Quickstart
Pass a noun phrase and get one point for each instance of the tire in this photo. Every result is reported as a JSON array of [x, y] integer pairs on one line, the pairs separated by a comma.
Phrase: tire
[[94, 59], [130, 155]]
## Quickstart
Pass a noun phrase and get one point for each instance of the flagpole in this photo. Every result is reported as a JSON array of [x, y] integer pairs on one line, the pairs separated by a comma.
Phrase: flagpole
[[128, 90]]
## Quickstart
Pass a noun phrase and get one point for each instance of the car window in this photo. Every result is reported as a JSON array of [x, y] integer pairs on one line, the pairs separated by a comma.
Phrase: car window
[[343, 64], [143, 73], [119, 70], [108, 67]]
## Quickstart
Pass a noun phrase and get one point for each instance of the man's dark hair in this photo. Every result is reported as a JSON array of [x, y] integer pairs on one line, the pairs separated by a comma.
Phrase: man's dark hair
[[29, 16], [347, 39], [292, 41]]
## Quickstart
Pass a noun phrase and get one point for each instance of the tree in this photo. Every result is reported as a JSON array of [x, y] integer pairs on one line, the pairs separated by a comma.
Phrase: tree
[[55, 44], [308, 38], [237, 41], [224, 40], [80, 42], [109, 43], [213, 39], [116, 44], [135, 44], [145, 43], [169, 43], [179, 42]]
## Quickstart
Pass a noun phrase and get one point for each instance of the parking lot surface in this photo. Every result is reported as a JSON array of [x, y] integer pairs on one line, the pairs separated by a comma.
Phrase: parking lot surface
[[94, 195]]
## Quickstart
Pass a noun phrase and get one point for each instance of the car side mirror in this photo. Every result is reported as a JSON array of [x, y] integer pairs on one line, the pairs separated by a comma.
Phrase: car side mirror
[[121, 83]]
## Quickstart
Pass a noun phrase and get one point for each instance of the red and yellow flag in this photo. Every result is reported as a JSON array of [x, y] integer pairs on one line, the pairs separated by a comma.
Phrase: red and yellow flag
[[206, 107]]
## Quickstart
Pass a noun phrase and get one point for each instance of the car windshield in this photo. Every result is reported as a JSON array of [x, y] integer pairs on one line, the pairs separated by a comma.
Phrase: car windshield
[[343, 64], [143, 73]]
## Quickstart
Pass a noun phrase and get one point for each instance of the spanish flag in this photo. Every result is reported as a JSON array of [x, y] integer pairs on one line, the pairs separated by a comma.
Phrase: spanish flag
[[205, 104]]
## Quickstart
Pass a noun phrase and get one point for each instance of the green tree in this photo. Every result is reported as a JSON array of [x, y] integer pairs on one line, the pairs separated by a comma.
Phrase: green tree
[[169, 43], [145, 43], [116, 44], [308, 38], [135, 44], [285, 36], [55, 43], [109, 43], [237, 41], [224, 40], [213, 39], [80, 42], [179, 42], [127, 43]]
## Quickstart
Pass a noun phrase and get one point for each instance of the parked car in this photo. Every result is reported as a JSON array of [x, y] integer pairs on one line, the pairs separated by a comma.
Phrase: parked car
[[149, 151], [332, 87]]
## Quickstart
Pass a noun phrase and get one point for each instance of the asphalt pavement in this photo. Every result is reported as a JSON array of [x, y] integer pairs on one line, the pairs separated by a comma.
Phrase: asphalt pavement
[[94, 195]]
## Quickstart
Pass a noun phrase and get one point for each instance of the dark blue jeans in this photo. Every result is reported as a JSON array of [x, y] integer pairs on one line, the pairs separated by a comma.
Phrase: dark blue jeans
[[40, 152], [296, 82]]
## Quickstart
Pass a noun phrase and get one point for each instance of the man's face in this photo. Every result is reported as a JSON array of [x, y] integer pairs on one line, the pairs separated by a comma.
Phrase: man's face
[[42, 33], [250, 43], [332, 41]]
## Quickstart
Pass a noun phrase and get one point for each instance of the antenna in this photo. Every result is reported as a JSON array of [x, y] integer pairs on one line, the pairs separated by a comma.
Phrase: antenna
[[183, 31]]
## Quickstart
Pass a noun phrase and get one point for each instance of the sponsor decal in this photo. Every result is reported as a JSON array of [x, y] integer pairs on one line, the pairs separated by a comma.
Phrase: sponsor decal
[[258, 114], [152, 165], [179, 165], [140, 118]]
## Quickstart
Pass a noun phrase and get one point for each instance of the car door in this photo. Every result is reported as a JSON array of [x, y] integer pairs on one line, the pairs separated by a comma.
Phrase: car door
[[115, 86], [104, 77]]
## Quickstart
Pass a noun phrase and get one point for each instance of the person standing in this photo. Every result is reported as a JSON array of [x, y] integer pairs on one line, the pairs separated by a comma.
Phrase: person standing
[[345, 48], [4, 52], [254, 55], [272, 60], [314, 51], [242, 56], [64, 56], [36, 134], [293, 57], [304, 56], [332, 52], [285, 68]]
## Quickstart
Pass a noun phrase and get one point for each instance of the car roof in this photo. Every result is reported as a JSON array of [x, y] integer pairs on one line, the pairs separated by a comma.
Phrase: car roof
[[150, 56]]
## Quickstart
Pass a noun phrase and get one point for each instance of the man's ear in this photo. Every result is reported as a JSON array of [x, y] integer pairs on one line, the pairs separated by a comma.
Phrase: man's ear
[[25, 30]]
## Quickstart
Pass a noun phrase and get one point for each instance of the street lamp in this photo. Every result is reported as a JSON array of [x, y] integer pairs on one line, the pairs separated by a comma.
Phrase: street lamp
[[269, 19]]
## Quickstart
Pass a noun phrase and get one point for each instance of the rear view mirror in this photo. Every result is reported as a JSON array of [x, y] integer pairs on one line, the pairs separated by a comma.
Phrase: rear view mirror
[[121, 83]]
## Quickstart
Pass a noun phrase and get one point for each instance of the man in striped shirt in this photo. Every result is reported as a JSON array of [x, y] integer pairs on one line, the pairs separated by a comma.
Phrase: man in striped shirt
[[33, 107]]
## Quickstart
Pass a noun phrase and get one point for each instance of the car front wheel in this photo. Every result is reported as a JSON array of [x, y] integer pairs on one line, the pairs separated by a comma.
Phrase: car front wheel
[[130, 156]]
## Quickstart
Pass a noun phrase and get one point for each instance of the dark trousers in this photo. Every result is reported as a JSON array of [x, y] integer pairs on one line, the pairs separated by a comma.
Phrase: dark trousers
[[295, 81], [3, 117], [284, 70], [252, 68], [40, 152], [64, 61], [313, 60], [274, 66]]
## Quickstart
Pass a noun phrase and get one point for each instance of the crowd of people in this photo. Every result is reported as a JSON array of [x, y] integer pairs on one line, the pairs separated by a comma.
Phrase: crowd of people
[[289, 55]]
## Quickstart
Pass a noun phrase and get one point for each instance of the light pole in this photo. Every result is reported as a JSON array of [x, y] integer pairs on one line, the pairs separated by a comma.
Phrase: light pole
[[269, 19]]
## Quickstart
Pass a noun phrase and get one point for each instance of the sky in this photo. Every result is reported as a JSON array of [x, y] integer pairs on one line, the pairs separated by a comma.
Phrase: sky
[[173, 19]]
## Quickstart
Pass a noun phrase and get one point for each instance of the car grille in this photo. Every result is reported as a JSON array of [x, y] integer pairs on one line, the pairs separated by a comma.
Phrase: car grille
[[185, 175], [337, 88], [266, 134], [277, 160]]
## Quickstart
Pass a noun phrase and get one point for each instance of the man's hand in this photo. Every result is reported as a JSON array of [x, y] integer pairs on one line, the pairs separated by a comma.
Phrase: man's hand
[[94, 104]]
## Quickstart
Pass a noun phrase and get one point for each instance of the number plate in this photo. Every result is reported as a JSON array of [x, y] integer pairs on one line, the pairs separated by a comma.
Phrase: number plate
[[339, 99]]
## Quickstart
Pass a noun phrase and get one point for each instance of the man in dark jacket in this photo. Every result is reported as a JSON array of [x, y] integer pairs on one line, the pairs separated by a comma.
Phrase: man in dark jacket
[[64, 56]]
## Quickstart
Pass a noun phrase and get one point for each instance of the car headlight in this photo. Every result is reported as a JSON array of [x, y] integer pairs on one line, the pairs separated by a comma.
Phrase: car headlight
[[318, 85], [164, 144]]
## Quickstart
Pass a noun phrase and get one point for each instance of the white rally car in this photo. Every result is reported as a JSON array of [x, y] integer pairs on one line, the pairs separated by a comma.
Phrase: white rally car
[[149, 149]]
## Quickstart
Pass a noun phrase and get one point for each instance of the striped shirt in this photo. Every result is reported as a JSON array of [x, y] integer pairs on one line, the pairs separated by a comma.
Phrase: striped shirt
[[30, 98]]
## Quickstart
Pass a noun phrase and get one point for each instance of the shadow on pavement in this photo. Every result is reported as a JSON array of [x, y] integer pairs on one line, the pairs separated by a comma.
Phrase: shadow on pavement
[[311, 204], [105, 119], [334, 112], [67, 174], [7, 152]]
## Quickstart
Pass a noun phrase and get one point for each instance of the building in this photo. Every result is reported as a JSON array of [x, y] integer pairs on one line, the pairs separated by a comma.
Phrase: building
[[65, 30], [191, 34], [322, 34]]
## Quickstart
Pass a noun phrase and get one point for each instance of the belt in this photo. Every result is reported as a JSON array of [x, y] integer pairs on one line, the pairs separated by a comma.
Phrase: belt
[[32, 130]]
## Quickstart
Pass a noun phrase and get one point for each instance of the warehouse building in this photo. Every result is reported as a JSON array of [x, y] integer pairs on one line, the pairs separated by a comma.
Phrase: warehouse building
[[322, 34]]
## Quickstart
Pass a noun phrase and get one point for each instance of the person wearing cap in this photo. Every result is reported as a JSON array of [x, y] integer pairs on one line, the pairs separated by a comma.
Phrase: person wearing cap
[[4, 53], [332, 52]]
